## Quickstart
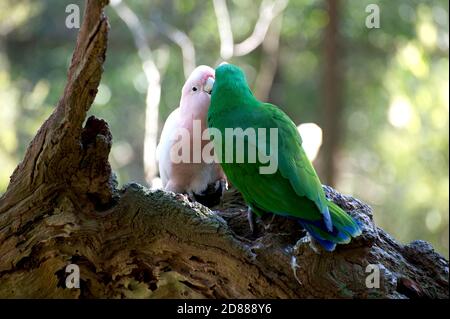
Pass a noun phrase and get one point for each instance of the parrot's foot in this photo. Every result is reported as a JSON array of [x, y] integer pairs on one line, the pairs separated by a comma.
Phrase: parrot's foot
[[315, 246], [294, 267], [251, 221], [308, 240], [267, 226]]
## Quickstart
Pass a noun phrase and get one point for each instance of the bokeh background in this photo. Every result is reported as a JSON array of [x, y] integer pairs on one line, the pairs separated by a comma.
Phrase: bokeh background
[[380, 96]]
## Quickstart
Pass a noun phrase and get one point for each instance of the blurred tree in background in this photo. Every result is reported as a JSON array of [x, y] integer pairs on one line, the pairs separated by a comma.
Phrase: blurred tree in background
[[391, 108]]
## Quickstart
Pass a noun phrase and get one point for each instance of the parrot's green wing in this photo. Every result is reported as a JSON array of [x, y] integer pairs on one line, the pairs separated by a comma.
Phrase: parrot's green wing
[[295, 188], [293, 163]]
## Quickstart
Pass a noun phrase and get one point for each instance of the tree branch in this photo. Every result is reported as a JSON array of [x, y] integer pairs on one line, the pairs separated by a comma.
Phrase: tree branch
[[153, 96], [58, 138], [268, 11], [62, 207], [224, 26], [269, 62], [332, 98], [181, 39]]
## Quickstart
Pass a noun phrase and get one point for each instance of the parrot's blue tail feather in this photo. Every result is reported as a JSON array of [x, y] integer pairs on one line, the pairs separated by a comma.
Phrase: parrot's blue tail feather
[[344, 228], [326, 244]]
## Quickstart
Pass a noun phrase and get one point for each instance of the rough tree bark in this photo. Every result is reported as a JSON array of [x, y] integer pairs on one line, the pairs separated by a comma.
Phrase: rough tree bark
[[62, 206]]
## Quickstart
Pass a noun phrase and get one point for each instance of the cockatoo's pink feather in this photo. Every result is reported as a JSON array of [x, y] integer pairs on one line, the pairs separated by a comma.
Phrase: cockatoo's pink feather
[[188, 177]]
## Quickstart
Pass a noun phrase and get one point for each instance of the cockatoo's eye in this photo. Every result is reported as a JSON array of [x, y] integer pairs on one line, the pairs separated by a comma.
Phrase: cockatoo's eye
[[194, 88]]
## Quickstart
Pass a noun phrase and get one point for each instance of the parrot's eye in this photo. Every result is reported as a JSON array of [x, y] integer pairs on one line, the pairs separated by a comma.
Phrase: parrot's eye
[[194, 88]]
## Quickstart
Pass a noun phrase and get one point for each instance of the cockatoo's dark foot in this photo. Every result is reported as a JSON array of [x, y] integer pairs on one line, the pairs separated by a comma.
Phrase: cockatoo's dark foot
[[191, 196], [223, 186], [213, 193]]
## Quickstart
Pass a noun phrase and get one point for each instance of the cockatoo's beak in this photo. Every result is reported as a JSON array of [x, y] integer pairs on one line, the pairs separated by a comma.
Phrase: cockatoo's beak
[[208, 85]]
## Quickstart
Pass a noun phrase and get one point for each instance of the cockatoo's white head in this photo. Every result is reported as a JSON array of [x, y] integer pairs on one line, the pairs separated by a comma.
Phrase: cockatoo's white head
[[196, 92]]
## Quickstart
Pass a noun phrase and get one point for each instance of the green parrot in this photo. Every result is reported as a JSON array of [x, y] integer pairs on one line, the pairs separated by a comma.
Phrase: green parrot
[[293, 189]]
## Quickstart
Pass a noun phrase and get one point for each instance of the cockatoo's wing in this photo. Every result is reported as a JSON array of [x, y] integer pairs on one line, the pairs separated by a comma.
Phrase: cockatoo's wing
[[165, 143]]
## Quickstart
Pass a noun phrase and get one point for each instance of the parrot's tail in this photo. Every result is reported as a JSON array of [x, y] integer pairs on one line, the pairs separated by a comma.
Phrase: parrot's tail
[[344, 228]]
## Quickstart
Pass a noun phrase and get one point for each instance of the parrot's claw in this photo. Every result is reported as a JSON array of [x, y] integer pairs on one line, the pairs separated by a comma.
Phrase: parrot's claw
[[315, 246], [251, 221], [294, 267], [267, 226]]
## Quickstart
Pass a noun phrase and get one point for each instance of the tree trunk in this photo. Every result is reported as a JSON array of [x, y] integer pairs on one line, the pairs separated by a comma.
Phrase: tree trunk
[[332, 110], [62, 207]]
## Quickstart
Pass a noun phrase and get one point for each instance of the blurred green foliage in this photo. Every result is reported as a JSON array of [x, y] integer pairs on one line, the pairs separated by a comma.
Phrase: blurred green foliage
[[396, 98]]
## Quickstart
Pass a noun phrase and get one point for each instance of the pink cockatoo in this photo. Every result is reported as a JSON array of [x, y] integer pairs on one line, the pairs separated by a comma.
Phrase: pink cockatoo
[[201, 180]]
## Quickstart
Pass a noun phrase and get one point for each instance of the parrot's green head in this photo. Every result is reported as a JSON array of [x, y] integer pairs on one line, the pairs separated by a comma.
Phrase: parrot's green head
[[230, 87], [231, 74]]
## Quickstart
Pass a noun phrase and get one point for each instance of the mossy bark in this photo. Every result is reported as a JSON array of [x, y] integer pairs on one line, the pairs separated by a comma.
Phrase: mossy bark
[[63, 206]]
